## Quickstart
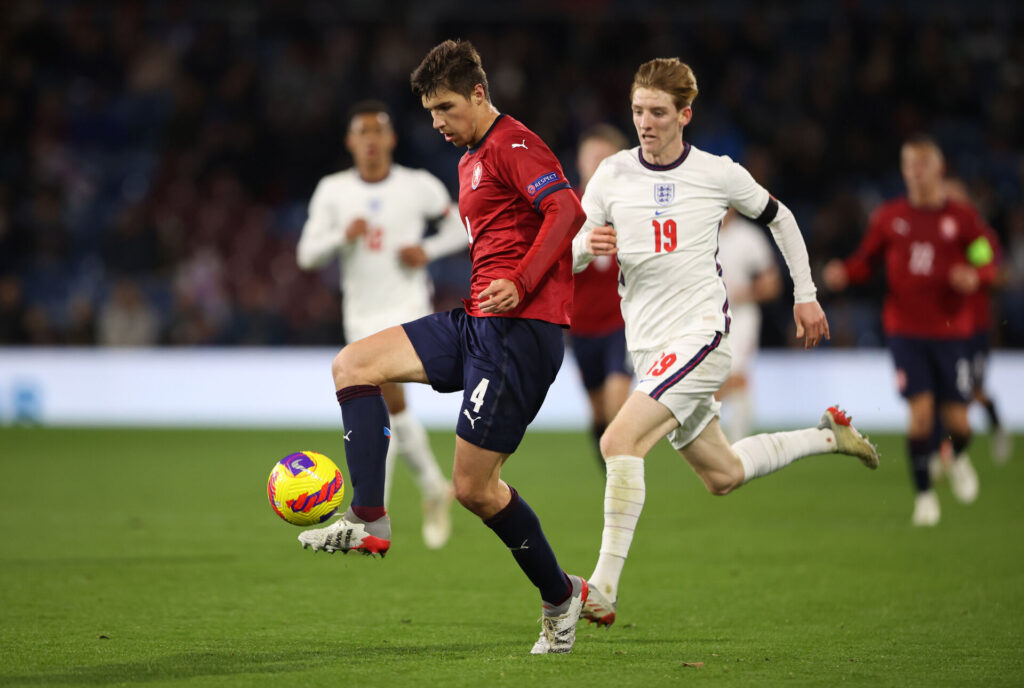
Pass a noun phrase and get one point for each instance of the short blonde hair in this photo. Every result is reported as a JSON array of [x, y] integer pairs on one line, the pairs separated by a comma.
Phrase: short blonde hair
[[670, 75]]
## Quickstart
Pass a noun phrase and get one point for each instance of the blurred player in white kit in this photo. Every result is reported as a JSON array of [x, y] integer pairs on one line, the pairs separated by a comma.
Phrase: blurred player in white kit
[[373, 217], [751, 278]]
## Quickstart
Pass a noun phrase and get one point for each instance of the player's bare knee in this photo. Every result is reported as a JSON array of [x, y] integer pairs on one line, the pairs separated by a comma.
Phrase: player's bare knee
[[612, 445], [347, 370]]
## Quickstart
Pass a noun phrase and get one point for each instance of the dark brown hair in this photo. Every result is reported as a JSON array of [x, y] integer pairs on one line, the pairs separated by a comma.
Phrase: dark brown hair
[[452, 65]]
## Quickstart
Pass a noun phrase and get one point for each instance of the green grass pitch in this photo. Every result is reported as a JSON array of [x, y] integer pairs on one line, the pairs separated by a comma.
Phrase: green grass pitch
[[144, 557]]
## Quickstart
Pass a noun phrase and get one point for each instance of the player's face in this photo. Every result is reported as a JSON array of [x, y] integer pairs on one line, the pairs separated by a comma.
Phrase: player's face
[[659, 124], [922, 169], [455, 115], [370, 139], [590, 155]]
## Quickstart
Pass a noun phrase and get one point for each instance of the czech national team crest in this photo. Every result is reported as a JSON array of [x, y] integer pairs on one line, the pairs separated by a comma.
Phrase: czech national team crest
[[664, 193], [478, 173]]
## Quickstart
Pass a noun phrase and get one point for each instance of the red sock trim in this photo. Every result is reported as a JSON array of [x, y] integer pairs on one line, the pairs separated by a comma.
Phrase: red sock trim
[[369, 513], [501, 515], [356, 391]]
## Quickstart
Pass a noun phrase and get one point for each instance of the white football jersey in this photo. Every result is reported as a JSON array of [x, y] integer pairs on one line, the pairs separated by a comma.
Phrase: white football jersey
[[378, 290], [667, 220]]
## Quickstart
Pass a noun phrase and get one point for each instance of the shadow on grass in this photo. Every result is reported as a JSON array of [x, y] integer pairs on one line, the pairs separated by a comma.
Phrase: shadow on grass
[[189, 665]]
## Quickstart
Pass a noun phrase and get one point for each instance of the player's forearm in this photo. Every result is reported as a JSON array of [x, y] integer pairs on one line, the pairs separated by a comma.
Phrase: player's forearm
[[563, 216], [450, 237], [791, 243]]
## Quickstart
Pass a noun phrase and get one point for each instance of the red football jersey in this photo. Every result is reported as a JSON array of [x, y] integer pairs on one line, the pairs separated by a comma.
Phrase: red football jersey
[[920, 246], [502, 181], [980, 302], [595, 299]]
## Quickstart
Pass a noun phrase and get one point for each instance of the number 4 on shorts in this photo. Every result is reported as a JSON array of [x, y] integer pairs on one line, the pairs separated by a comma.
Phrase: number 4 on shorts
[[477, 397]]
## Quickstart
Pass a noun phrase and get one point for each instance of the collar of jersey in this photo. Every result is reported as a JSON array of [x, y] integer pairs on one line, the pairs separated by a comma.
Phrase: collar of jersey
[[474, 149], [661, 168]]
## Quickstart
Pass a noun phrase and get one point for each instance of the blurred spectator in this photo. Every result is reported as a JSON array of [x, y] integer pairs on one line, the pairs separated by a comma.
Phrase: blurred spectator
[[127, 319]]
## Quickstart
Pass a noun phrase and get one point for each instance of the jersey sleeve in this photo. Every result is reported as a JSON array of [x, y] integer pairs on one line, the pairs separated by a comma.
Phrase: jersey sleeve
[[748, 197], [321, 235], [597, 216], [438, 207], [531, 170], [433, 195]]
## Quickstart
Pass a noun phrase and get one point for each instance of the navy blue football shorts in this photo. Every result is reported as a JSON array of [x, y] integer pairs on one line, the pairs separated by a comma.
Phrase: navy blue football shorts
[[503, 366], [978, 351], [940, 366], [601, 356]]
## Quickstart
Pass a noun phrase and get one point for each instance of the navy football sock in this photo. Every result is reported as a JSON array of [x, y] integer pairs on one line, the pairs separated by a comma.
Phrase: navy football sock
[[367, 435], [960, 443], [519, 528], [920, 453], [993, 414]]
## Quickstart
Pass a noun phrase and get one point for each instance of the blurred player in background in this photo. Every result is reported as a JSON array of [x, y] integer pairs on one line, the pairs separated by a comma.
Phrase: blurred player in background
[[597, 333], [936, 252], [658, 208], [980, 303], [502, 351], [751, 278], [373, 217]]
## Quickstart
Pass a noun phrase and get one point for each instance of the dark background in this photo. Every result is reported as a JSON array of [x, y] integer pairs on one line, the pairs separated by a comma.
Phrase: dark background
[[156, 158]]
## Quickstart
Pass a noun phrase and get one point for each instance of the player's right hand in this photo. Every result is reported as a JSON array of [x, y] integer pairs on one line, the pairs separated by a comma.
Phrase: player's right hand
[[964, 278], [602, 241], [356, 228]]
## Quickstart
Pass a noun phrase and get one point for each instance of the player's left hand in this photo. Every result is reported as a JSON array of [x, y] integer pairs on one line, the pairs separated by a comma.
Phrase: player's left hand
[[412, 256], [964, 278], [811, 323], [499, 297]]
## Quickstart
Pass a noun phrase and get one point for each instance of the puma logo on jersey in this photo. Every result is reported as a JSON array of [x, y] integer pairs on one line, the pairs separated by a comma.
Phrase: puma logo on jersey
[[347, 435], [472, 420], [520, 145], [520, 547]]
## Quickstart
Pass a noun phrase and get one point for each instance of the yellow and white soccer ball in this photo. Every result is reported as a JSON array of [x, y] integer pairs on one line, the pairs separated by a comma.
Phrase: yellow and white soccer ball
[[305, 488]]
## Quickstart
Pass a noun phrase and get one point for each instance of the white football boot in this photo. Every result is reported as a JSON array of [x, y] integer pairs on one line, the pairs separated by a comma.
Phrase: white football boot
[[926, 509], [963, 479], [558, 633], [437, 519], [349, 532], [598, 608], [848, 440]]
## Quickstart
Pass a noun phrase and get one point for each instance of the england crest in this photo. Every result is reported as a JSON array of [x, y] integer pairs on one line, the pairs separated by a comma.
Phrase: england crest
[[664, 193]]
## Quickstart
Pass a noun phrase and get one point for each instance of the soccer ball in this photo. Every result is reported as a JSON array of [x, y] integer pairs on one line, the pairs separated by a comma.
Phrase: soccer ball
[[305, 488]]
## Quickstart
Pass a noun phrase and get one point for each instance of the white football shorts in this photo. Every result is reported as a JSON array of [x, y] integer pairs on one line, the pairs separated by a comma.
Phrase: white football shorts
[[684, 376]]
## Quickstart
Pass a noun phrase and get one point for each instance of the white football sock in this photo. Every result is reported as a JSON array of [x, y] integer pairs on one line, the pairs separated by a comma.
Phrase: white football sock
[[768, 452], [623, 501], [410, 439]]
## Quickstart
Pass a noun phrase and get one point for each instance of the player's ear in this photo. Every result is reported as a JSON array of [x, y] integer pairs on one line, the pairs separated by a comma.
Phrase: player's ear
[[685, 115], [478, 94]]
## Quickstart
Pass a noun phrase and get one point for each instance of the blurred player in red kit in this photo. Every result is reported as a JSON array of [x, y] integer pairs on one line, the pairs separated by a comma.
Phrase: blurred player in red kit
[[981, 308], [936, 253], [598, 334], [502, 351]]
